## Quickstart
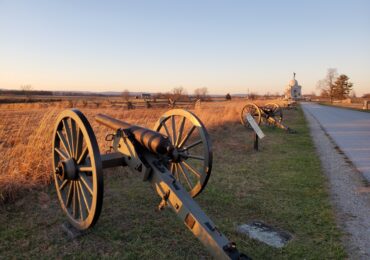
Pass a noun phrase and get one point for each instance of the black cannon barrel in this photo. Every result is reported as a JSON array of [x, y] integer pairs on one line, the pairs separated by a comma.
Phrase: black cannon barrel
[[153, 141]]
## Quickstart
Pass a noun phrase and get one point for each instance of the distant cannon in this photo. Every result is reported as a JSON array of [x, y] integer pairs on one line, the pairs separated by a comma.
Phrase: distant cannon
[[270, 114], [171, 103], [291, 105], [176, 158]]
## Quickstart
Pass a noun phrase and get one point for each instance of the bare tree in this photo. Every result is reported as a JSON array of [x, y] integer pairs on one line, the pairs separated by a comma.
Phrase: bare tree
[[267, 95], [252, 96], [27, 91], [178, 94], [201, 93], [327, 85], [126, 95]]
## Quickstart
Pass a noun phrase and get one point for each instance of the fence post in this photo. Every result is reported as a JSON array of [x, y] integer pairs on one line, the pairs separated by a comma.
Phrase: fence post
[[366, 105]]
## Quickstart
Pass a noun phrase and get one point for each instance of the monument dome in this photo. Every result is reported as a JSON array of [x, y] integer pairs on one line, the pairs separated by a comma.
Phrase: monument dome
[[293, 91], [293, 82]]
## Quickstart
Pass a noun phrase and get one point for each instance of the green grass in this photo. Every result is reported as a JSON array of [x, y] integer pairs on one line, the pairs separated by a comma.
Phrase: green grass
[[282, 185], [350, 108]]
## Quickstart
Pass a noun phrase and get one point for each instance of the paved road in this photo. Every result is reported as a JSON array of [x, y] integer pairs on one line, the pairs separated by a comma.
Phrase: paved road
[[349, 129]]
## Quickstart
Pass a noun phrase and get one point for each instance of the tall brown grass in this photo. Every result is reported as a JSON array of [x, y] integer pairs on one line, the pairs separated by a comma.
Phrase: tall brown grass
[[26, 138]]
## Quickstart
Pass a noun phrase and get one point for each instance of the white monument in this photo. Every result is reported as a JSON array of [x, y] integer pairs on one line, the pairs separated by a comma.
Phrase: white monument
[[293, 91]]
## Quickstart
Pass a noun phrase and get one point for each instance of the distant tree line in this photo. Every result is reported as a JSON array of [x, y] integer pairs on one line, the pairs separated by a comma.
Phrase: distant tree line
[[23, 92], [74, 94], [176, 94], [30, 92]]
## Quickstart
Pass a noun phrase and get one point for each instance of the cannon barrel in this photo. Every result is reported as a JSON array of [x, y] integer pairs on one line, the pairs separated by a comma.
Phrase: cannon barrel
[[153, 141]]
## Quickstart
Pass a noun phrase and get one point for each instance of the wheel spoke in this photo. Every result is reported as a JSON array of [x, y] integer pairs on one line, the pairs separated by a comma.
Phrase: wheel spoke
[[172, 170], [64, 184], [186, 176], [83, 155], [85, 169], [74, 201], [193, 144], [166, 129], [69, 196], [63, 139], [78, 143], [197, 157], [177, 175], [74, 138], [181, 129], [85, 199], [69, 137], [194, 171], [79, 200], [87, 183], [61, 153], [187, 136], [173, 130]]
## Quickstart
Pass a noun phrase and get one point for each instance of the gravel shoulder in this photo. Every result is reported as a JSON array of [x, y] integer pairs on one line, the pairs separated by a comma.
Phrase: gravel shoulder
[[349, 192]]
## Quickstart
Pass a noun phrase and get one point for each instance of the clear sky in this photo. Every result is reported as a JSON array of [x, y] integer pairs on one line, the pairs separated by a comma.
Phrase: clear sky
[[154, 45]]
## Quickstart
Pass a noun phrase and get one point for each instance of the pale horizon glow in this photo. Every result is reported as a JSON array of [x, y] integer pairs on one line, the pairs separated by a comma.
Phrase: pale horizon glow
[[154, 46]]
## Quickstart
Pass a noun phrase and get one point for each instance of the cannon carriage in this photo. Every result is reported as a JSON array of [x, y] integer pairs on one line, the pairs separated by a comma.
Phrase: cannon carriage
[[270, 114], [175, 157]]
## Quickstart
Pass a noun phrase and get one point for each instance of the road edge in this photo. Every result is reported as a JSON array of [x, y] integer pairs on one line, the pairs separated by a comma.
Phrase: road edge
[[348, 191]]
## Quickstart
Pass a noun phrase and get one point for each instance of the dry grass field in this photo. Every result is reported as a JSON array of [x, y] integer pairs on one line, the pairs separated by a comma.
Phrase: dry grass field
[[26, 135], [282, 184]]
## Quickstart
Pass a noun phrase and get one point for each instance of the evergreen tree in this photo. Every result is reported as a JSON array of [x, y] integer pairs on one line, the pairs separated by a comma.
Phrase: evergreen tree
[[342, 87]]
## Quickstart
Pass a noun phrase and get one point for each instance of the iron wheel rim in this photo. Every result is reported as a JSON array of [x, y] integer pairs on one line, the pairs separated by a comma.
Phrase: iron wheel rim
[[81, 198], [255, 112], [184, 170]]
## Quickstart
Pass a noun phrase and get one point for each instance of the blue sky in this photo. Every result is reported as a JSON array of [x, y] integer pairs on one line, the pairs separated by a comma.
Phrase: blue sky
[[227, 46]]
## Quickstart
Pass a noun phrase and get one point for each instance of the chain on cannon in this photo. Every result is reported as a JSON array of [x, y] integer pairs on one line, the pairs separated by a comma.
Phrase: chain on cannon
[[269, 114], [175, 157]]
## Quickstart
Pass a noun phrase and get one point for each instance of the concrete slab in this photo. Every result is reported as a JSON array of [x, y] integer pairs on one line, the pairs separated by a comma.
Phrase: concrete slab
[[267, 234]]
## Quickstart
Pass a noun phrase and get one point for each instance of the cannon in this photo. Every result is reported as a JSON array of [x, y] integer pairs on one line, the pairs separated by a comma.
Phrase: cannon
[[270, 114], [175, 157]]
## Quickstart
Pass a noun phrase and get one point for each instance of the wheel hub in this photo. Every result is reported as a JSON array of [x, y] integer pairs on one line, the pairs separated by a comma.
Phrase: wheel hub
[[175, 155], [179, 155], [67, 169]]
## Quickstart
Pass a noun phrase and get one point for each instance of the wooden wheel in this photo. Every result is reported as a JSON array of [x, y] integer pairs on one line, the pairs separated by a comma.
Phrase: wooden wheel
[[78, 173], [276, 111], [255, 112], [191, 160]]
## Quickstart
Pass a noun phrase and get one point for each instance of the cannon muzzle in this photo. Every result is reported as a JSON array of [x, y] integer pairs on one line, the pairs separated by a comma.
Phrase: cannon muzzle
[[153, 141]]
